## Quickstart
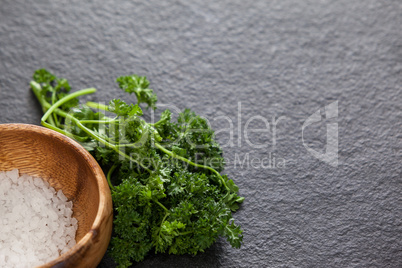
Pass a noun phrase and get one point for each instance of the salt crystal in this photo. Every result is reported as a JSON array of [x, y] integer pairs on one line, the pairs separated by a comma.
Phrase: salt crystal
[[14, 258], [38, 182], [74, 221], [13, 175], [33, 223], [69, 204], [33, 220], [61, 196], [68, 213]]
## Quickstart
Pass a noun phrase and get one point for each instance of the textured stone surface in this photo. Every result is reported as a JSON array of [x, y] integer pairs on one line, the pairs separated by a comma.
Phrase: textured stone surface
[[278, 58]]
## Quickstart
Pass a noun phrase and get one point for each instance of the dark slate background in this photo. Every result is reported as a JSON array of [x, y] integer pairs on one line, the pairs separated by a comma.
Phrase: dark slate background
[[280, 59]]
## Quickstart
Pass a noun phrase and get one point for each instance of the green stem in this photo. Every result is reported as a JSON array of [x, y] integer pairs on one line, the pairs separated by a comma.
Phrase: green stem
[[53, 97], [110, 121], [36, 88], [164, 208], [132, 145], [185, 233], [65, 99], [163, 220], [98, 106], [106, 143], [138, 97], [45, 106], [109, 176], [157, 123], [138, 144], [54, 107], [60, 102], [56, 121], [172, 154]]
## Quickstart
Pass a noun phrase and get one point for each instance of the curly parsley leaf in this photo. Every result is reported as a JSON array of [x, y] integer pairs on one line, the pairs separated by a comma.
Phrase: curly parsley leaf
[[120, 108], [139, 86], [167, 191]]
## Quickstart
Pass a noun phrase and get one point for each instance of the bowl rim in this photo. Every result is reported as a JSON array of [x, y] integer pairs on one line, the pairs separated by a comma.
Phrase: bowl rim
[[105, 199]]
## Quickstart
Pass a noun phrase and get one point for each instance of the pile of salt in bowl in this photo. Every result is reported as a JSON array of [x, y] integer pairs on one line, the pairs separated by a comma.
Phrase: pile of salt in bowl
[[36, 223]]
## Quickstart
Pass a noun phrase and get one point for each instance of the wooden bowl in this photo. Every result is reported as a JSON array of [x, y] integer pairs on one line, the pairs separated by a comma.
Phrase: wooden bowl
[[66, 165]]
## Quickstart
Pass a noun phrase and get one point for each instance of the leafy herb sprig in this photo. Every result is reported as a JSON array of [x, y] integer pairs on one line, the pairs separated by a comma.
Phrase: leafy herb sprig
[[167, 190]]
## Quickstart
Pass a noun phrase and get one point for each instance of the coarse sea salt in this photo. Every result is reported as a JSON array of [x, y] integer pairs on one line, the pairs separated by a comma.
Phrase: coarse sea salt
[[36, 225]]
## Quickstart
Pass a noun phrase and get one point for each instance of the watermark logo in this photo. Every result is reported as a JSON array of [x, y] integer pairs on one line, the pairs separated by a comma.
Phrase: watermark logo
[[331, 149], [258, 133]]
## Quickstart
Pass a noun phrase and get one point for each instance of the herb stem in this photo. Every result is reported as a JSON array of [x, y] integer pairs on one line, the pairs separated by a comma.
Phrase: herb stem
[[172, 154], [110, 120], [54, 107], [96, 105], [186, 233], [109, 176], [164, 208], [65, 99], [36, 88], [56, 121]]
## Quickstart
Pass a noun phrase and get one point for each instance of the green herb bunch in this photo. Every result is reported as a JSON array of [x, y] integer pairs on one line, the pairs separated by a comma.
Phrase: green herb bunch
[[167, 191]]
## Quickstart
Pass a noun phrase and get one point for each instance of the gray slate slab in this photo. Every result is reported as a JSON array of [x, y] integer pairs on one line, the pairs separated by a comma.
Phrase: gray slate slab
[[280, 61]]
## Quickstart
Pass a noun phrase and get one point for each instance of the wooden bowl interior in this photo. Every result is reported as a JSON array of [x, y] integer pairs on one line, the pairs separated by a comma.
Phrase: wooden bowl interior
[[50, 158]]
